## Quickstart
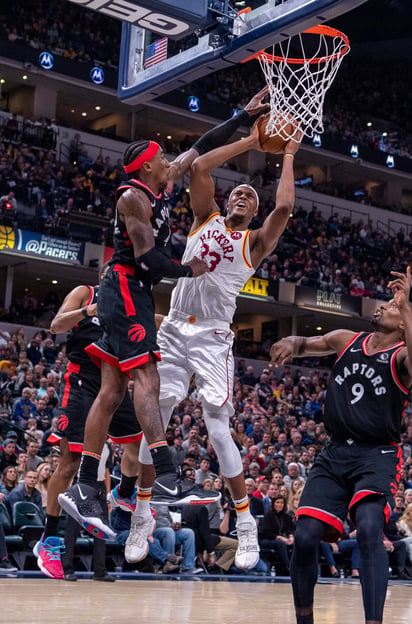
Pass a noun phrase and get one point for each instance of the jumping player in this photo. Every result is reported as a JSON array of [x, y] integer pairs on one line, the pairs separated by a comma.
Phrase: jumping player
[[126, 312], [78, 313], [195, 337], [359, 468]]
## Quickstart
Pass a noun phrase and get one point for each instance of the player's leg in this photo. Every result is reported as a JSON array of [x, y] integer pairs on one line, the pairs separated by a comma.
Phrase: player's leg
[[230, 462], [214, 377], [99, 546], [125, 430], [304, 566], [168, 488], [59, 482], [124, 494], [374, 567], [70, 536], [49, 549], [376, 473], [81, 501], [323, 506]]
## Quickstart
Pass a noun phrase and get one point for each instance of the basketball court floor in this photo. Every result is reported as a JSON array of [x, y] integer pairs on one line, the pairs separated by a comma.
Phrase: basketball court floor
[[43, 601]]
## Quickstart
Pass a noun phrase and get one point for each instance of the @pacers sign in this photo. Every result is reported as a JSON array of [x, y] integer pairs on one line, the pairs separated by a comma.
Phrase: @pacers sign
[[138, 15]]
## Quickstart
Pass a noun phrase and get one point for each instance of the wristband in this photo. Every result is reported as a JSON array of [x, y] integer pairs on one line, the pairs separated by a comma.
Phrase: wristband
[[289, 154], [84, 312]]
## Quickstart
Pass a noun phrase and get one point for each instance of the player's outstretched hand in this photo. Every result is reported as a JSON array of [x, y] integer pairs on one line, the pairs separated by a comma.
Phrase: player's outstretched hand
[[293, 145], [254, 138], [255, 105], [401, 286], [198, 266], [281, 352]]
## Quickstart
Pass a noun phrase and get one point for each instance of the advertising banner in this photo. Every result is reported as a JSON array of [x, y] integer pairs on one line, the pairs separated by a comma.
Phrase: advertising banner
[[327, 301], [41, 244]]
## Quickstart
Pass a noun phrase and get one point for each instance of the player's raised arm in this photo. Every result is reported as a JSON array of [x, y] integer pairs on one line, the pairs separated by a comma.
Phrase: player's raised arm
[[300, 346], [264, 240], [401, 286], [202, 187], [73, 309], [216, 136]]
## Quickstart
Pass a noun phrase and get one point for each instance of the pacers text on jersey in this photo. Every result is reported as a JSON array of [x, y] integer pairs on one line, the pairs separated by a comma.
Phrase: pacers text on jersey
[[222, 241]]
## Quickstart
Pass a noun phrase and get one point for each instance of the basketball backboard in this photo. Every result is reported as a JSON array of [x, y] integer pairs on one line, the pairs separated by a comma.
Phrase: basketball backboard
[[232, 37], [171, 18]]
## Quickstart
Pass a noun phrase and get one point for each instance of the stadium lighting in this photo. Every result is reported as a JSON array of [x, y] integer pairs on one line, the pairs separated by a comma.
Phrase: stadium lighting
[[317, 141], [390, 161]]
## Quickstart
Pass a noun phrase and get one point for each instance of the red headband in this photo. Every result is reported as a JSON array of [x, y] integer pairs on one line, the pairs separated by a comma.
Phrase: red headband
[[145, 157]]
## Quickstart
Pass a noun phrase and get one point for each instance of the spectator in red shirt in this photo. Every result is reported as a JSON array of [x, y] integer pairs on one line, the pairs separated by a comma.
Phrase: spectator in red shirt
[[254, 457], [262, 487]]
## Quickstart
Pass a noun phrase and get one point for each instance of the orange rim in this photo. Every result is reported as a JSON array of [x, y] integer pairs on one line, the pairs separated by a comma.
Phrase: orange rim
[[315, 30]]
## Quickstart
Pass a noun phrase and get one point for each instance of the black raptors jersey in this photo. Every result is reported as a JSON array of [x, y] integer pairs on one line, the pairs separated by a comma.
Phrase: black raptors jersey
[[365, 399], [88, 330], [123, 246]]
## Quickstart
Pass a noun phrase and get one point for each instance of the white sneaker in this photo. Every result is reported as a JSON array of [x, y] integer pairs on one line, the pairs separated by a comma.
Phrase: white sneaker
[[141, 528], [247, 554]]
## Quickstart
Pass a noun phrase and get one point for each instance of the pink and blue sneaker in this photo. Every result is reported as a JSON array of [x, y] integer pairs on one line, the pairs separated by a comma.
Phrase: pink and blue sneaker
[[115, 500], [48, 553]]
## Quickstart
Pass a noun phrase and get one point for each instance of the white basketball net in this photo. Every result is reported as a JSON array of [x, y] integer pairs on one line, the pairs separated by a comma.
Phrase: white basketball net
[[297, 85]]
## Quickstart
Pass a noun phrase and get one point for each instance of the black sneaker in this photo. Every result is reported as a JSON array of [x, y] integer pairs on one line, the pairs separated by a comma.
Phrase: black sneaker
[[82, 503], [6, 566], [171, 490]]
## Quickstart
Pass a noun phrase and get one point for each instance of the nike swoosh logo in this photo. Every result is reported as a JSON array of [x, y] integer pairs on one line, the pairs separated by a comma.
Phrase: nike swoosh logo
[[388, 451], [166, 489], [220, 333], [355, 350], [81, 493]]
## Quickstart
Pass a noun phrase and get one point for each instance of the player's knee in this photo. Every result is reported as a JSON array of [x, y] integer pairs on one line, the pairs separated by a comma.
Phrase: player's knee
[[308, 536], [111, 397], [370, 519]]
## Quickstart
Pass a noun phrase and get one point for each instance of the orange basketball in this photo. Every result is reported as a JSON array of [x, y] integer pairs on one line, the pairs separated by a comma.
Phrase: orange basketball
[[274, 144]]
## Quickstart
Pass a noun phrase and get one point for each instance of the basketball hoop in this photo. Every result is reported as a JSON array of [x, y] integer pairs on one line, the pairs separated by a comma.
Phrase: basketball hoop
[[298, 73]]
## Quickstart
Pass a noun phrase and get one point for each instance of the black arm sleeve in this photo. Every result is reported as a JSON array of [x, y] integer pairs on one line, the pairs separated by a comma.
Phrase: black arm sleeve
[[220, 134], [156, 265]]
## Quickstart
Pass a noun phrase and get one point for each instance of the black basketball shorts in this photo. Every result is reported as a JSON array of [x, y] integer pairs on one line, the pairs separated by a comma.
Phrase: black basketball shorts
[[343, 475], [78, 393], [127, 315]]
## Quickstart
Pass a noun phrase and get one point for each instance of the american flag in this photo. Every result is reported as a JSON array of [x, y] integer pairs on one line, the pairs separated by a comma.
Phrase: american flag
[[156, 52]]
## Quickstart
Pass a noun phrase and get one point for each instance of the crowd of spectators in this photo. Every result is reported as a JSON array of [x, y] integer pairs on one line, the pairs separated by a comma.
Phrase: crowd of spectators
[[67, 30], [39, 193], [335, 254], [277, 427]]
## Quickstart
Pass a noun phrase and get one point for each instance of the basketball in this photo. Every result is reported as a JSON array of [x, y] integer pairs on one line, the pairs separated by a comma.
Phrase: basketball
[[274, 144]]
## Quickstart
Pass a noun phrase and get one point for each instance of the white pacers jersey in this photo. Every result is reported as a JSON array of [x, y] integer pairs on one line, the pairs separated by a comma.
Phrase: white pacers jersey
[[213, 295]]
